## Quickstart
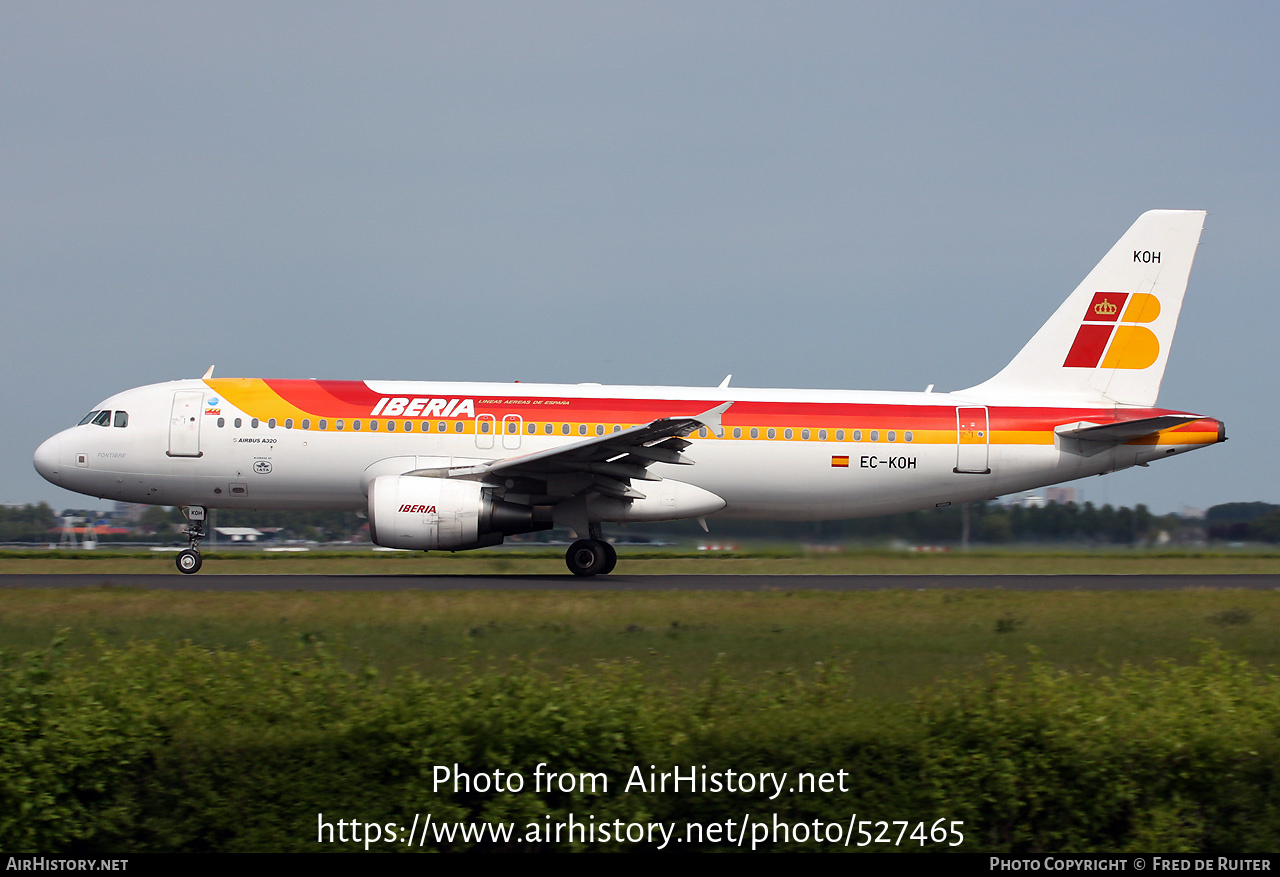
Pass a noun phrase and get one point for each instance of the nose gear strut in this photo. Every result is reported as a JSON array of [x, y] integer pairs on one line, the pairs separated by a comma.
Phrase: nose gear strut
[[189, 560]]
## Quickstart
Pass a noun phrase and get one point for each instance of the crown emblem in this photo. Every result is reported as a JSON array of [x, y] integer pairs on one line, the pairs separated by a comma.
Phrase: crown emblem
[[1105, 308]]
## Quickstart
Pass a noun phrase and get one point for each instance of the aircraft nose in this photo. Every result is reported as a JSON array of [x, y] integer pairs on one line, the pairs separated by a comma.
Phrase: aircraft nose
[[47, 458]]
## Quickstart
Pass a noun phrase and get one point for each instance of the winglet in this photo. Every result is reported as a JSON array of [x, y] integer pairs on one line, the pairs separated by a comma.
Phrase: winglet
[[725, 382], [208, 374], [711, 419]]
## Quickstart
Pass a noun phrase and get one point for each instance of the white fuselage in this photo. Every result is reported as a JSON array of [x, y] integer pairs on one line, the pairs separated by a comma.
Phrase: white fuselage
[[784, 454]]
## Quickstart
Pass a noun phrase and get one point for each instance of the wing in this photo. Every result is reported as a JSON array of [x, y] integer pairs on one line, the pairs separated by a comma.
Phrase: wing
[[605, 464]]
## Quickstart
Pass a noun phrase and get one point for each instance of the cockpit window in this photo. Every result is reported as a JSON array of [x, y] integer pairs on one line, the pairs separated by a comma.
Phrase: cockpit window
[[122, 418], [103, 419], [88, 417]]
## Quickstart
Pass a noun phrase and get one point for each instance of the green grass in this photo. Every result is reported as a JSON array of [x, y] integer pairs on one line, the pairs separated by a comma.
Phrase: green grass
[[893, 642], [227, 720]]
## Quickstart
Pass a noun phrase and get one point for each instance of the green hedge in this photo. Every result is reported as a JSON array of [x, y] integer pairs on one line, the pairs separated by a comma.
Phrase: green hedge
[[159, 747]]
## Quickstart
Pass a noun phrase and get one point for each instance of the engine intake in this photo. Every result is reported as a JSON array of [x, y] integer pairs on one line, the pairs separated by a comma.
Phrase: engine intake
[[424, 514]]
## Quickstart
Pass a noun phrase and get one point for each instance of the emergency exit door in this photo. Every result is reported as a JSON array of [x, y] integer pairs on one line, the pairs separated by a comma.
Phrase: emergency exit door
[[973, 441]]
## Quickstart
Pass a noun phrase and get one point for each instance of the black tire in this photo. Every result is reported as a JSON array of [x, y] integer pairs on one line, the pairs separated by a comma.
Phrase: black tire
[[610, 559], [586, 557], [189, 561]]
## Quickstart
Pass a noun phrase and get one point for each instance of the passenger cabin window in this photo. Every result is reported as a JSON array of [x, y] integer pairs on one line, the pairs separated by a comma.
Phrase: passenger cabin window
[[253, 424], [458, 426], [122, 418], [306, 423], [339, 425], [222, 421], [271, 424], [737, 432], [103, 419], [324, 424], [238, 422]]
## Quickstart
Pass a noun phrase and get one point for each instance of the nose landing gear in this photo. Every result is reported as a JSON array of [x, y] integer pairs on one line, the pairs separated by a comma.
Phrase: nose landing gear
[[189, 560]]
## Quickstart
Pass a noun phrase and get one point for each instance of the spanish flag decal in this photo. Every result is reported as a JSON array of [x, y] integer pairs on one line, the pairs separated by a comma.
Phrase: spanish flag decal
[[840, 462]]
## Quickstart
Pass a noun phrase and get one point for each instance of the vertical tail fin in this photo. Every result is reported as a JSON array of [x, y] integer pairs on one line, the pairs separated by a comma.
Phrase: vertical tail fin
[[1109, 341]]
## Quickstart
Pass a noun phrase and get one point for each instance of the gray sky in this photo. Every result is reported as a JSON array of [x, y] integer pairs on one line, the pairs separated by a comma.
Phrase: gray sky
[[802, 194]]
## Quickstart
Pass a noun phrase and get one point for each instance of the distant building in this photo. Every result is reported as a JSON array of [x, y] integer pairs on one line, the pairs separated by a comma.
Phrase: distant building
[[1059, 495], [239, 534], [128, 511]]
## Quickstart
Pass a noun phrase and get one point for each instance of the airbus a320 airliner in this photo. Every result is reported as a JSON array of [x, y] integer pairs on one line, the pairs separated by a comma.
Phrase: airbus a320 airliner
[[444, 466]]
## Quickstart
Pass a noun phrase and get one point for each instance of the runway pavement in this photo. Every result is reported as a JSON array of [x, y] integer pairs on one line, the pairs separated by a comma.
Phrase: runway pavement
[[175, 582]]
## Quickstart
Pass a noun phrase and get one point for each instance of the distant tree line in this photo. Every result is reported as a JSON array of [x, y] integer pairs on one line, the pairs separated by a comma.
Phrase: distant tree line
[[26, 523], [320, 526], [1244, 522], [989, 523]]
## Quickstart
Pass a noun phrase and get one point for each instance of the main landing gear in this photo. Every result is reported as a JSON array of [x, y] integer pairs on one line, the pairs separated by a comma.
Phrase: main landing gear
[[591, 557], [189, 561]]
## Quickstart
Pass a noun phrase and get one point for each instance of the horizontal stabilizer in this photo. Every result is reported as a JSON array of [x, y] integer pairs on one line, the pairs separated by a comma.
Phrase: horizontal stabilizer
[[1124, 431]]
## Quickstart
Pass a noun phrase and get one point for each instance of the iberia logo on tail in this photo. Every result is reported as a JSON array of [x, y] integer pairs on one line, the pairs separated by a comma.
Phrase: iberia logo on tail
[[1109, 328]]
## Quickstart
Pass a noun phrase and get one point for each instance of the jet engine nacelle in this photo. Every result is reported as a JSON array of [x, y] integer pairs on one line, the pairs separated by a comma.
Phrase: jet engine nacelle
[[424, 513]]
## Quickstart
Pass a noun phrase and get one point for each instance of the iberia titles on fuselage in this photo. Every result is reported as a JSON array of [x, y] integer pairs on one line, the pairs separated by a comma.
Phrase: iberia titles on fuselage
[[455, 466]]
